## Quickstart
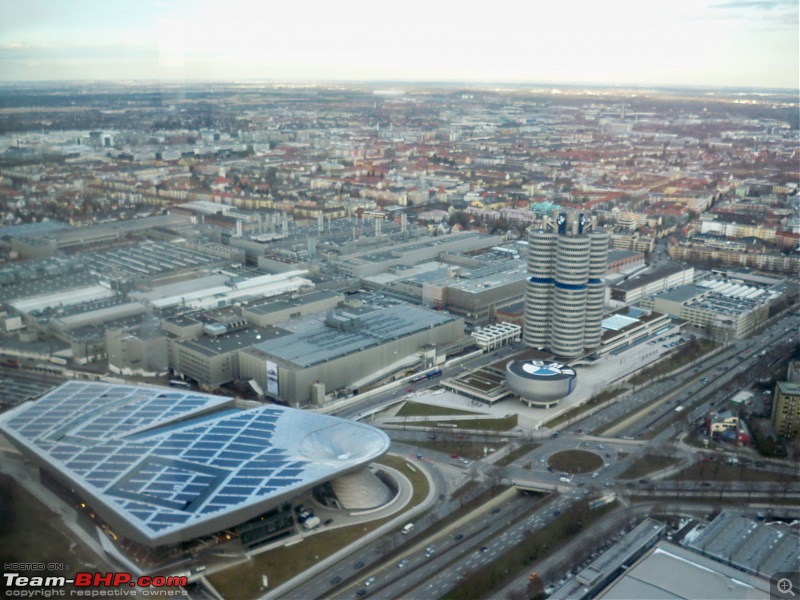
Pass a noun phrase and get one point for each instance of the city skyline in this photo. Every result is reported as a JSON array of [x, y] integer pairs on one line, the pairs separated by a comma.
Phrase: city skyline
[[718, 43]]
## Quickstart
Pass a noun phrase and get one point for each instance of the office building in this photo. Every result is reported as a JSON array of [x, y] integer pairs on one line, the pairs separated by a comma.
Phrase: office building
[[565, 293]]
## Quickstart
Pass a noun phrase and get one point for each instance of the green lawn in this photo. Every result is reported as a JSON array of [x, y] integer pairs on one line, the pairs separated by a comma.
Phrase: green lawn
[[417, 409], [575, 461], [243, 581], [487, 424], [646, 465]]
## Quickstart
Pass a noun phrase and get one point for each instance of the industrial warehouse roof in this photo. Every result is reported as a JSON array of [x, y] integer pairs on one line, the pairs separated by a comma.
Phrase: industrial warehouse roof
[[748, 545], [659, 272], [169, 462], [669, 571], [230, 342], [313, 340], [279, 305], [683, 293]]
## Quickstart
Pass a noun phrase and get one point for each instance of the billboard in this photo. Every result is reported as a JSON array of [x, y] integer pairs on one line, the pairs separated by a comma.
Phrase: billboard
[[272, 378]]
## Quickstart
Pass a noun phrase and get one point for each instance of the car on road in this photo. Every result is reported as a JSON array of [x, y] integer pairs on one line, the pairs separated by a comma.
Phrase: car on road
[[442, 496], [458, 537], [369, 581], [556, 513], [328, 521], [402, 563], [484, 548], [551, 469], [359, 565], [336, 580], [595, 475], [495, 511], [361, 592], [421, 456], [454, 456], [643, 481], [554, 436]]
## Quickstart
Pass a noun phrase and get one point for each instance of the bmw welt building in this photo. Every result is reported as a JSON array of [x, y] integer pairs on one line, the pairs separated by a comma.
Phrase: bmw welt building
[[161, 466]]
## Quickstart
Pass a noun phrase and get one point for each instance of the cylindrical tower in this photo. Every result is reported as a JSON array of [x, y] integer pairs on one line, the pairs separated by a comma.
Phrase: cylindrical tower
[[595, 293], [539, 292], [569, 296], [565, 296]]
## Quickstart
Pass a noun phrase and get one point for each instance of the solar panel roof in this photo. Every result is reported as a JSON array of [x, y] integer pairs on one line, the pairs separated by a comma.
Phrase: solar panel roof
[[167, 464]]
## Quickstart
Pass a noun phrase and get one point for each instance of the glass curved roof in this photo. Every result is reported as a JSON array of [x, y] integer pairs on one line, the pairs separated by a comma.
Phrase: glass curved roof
[[166, 460]]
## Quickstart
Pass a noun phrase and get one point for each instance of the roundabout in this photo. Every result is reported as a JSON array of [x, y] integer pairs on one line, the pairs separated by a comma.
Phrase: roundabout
[[575, 462]]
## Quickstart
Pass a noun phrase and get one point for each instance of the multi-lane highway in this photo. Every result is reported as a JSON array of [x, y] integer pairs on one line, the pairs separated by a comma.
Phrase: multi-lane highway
[[428, 566]]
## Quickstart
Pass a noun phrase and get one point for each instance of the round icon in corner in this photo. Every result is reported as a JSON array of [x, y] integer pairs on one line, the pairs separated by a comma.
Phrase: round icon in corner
[[784, 586]]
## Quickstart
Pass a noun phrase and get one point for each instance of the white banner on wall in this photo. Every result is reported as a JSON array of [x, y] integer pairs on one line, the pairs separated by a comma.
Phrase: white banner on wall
[[272, 378]]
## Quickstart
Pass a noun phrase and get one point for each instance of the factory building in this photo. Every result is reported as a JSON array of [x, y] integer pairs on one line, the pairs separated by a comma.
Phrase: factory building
[[660, 279], [372, 262], [733, 305], [205, 346], [346, 349], [565, 292], [628, 327], [273, 312], [621, 261], [138, 350], [472, 288]]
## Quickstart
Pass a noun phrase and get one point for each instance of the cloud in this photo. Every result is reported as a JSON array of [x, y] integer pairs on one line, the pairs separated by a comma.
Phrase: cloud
[[755, 4]]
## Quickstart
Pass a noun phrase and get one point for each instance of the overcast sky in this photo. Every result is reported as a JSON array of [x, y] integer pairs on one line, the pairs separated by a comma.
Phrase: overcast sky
[[751, 43]]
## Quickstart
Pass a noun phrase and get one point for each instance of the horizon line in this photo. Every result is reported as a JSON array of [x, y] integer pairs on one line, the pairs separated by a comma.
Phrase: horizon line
[[400, 82]]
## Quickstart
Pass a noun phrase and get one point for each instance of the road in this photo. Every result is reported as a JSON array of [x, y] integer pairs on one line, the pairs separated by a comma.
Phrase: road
[[431, 565]]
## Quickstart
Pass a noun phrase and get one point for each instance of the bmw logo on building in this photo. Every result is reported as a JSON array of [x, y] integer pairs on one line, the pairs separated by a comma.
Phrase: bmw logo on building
[[540, 383]]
